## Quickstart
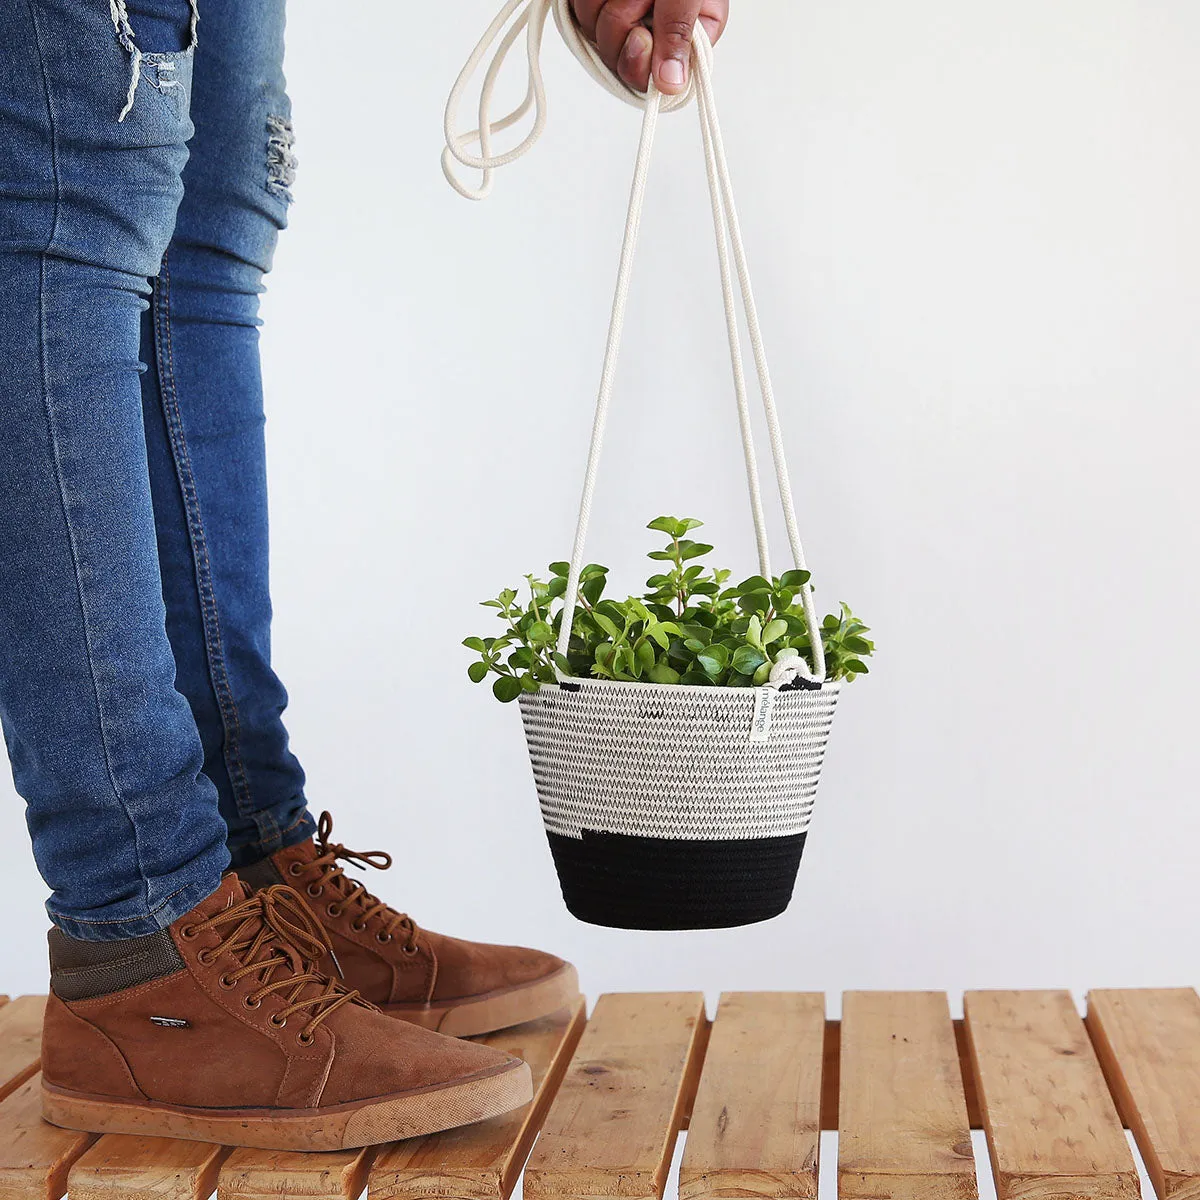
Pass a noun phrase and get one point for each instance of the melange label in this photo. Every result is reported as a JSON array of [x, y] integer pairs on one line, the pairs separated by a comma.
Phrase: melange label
[[764, 706]]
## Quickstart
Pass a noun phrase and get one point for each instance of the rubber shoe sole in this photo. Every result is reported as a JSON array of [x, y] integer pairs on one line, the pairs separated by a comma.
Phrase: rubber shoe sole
[[340, 1127], [469, 1016]]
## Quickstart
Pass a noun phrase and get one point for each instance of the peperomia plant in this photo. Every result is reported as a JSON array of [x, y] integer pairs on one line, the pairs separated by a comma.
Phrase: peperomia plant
[[690, 627]]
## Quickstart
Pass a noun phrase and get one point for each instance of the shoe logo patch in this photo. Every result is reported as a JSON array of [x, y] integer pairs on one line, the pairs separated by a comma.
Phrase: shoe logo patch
[[171, 1022]]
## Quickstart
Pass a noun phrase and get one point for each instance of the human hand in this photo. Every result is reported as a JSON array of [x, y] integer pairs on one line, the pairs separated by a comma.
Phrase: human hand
[[636, 36]]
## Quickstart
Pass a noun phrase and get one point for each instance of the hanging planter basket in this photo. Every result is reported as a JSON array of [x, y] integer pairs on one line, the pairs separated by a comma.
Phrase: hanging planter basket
[[667, 806], [671, 807]]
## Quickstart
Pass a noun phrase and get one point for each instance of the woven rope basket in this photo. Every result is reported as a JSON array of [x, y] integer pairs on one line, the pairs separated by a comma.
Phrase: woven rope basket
[[670, 807], [666, 806]]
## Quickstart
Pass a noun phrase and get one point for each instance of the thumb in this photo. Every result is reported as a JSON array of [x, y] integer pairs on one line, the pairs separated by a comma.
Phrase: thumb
[[674, 21]]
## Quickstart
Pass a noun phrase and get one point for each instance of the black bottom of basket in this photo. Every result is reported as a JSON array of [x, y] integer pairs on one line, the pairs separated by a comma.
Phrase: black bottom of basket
[[626, 882]]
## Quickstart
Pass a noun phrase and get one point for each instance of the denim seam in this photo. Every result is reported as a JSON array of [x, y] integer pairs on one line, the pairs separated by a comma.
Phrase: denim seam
[[210, 617], [55, 449], [165, 915], [55, 914], [54, 164]]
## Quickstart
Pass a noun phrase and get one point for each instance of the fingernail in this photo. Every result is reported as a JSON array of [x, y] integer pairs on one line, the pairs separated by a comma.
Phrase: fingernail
[[637, 48], [671, 73]]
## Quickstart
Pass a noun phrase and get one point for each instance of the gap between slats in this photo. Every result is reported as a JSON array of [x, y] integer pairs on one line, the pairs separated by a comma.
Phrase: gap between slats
[[828, 1166]]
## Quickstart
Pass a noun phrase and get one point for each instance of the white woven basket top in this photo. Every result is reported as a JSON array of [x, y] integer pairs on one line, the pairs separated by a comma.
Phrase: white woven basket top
[[675, 761]]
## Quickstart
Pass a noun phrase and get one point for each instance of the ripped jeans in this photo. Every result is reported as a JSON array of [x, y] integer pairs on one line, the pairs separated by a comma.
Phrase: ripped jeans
[[142, 716]]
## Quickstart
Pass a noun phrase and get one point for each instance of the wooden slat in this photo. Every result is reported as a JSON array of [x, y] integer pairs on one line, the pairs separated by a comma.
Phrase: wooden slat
[[1149, 1046], [829, 1080], [612, 1128], [1052, 1126], [272, 1174], [903, 1128], [123, 1167], [20, 1041], [755, 1129], [483, 1162], [34, 1157]]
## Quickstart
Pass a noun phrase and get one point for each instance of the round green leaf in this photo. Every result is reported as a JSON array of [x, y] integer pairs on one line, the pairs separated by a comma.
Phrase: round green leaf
[[478, 672], [661, 673], [506, 689], [774, 631], [645, 656], [747, 660]]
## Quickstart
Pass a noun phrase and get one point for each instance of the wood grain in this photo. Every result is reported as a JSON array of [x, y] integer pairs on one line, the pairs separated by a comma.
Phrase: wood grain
[[127, 1167], [1148, 1043], [1052, 1126], [903, 1129], [273, 1174], [612, 1128], [829, 1080], [20, 1041], [34, 1157], [755, 1128], [484, 1161]]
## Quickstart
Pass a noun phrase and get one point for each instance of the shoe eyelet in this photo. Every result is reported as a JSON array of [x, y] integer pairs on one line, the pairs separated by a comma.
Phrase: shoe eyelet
[[278, 1022], [314, 889], [334, 911], [206, 958], [359, 926], [296, 869], [305, 1039], [411, 951], [383, 938], [227, 983], [251, 1002], [188, 933]]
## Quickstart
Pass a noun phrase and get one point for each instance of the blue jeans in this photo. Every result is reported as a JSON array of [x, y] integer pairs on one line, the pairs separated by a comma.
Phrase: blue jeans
[[142, 716]]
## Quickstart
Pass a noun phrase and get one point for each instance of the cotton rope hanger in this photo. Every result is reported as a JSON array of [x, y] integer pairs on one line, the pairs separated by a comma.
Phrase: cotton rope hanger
[[532, 22]]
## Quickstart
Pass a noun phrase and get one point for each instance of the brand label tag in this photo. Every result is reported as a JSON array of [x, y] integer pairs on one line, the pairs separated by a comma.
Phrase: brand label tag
[[764, 708]]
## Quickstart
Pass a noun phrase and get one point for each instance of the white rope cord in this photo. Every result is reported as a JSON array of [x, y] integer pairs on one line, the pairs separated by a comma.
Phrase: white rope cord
[[532, 21], [714, 146]]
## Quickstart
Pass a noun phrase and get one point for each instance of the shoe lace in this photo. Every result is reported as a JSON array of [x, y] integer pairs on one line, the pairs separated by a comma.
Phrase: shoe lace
[[273, 935], [330, 855]]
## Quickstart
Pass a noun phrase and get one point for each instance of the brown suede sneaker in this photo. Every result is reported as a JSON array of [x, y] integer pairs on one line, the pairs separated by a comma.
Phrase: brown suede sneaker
[[456, 987], [220, 1029]]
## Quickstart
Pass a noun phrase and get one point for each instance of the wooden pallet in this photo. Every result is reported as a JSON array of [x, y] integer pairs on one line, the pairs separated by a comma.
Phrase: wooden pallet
[[899, 1080]]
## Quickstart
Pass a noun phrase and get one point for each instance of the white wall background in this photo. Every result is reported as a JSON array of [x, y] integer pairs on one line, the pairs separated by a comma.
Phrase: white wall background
[[978, 256]]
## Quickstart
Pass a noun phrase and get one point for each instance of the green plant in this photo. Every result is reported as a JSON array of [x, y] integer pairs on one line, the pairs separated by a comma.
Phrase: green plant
[[689, 627]]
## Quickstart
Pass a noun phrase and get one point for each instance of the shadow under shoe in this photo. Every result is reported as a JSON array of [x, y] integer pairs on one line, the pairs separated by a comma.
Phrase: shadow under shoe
[[221, 1028], [448, 984]]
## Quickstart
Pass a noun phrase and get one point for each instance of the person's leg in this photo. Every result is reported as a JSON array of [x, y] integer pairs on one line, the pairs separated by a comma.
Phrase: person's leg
[[104, 749], [204, 423]]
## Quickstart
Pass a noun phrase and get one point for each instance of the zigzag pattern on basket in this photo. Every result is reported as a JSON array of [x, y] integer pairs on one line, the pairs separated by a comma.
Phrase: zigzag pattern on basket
[[675, 761]]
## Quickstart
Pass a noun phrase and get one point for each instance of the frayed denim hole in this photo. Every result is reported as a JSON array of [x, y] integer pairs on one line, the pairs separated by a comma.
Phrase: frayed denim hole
[[161, 65], [281, 158]]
